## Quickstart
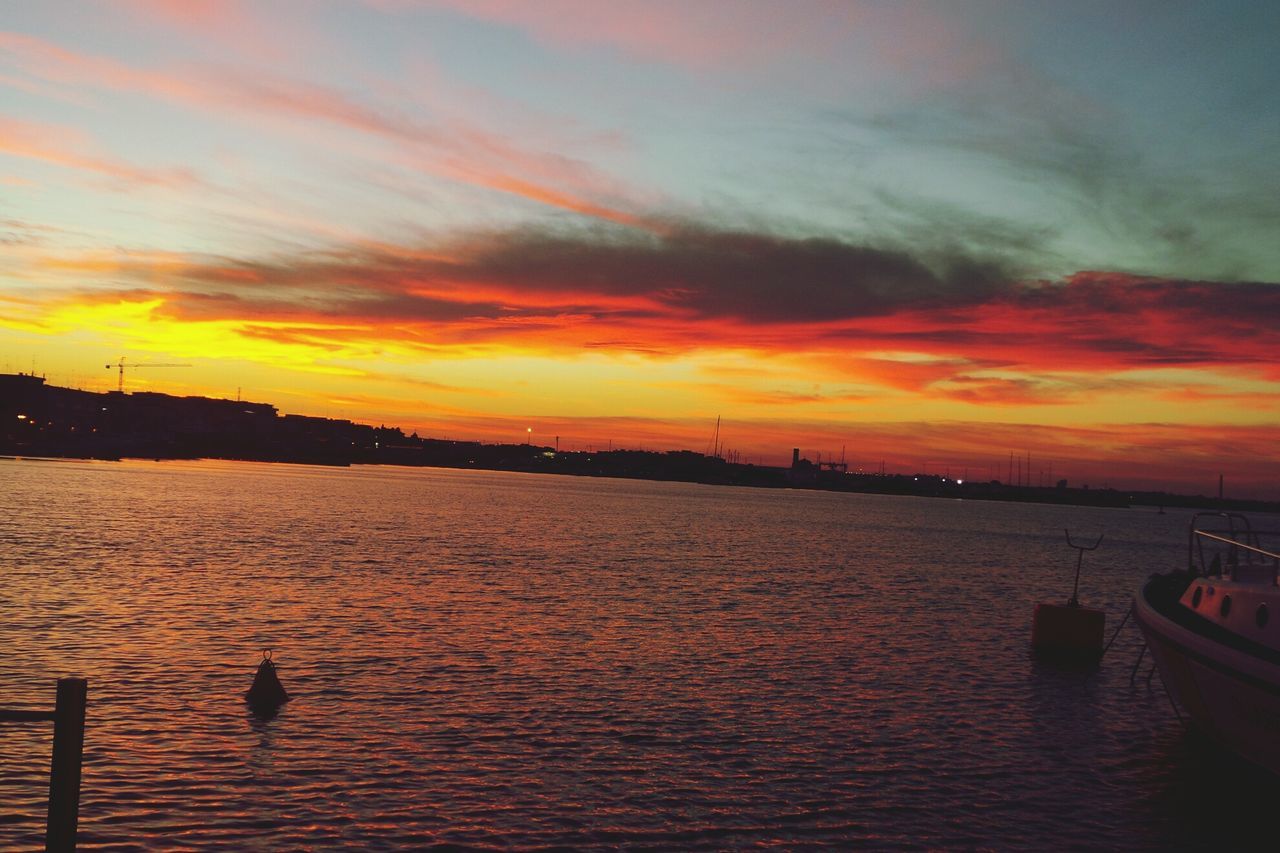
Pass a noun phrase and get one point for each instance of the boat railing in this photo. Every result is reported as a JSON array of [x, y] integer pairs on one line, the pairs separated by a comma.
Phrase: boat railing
[[1238, 552]]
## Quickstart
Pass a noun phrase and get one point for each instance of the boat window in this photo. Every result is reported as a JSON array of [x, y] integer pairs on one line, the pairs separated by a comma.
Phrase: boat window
[[1262, 616], [1196, 596], [1225, 607]]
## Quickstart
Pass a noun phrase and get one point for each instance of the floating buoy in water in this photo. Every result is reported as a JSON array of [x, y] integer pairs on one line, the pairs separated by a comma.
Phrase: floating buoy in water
[[267, 693], [1069, 631]]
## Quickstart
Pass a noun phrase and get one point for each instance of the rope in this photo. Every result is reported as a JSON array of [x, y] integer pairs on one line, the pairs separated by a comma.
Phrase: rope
[[1133, 673], [1127, 614]]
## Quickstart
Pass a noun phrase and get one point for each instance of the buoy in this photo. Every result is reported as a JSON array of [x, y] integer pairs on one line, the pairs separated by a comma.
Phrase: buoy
[[1069, 631], [267, 693]]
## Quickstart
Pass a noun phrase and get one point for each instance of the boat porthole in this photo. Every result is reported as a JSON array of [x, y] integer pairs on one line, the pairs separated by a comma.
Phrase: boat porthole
[[1262, 616], [1225, 608], [1196, 596]]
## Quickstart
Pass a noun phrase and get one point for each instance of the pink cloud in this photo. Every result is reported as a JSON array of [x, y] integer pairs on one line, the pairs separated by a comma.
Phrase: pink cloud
[[694, 34], [50, 144], [234, 26], [458, 152], [857, 40], [199, 15]]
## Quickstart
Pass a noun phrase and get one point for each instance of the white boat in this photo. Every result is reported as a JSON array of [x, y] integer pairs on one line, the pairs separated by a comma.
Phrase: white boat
[[1214, 631]]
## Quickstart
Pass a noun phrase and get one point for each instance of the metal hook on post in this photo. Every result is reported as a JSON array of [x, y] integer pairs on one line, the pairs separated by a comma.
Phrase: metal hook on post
[[1069, 631], [1075, 588]]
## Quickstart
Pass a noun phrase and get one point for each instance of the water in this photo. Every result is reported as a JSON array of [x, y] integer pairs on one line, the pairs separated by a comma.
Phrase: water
[[506, 660]]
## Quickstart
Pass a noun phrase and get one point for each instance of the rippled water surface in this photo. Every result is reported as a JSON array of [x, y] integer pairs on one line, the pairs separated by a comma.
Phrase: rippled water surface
[[506, 660]]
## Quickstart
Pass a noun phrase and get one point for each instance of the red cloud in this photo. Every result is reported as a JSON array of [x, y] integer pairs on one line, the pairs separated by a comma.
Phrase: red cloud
[[968, 329]]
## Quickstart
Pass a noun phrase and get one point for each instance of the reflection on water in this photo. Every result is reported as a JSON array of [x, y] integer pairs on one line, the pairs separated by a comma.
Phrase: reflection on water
[[517, 660]]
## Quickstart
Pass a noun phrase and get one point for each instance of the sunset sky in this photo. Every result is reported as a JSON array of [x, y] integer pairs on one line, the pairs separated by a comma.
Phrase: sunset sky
[[928, 234]]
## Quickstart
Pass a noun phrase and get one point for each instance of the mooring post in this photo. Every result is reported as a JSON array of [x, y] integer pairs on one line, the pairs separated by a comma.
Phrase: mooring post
[[64, 774]]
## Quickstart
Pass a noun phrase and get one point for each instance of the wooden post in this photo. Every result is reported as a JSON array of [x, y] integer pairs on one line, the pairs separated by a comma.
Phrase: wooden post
[[64, 774]]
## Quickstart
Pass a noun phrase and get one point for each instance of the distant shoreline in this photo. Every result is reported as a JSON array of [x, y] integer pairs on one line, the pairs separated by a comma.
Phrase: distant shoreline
[[924, 486], [43, 421]]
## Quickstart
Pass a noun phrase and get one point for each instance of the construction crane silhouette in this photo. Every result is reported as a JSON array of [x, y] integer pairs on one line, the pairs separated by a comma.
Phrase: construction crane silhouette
[[120, 365]]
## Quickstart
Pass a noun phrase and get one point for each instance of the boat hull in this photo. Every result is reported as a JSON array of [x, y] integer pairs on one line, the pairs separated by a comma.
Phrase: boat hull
[[1231, 694]]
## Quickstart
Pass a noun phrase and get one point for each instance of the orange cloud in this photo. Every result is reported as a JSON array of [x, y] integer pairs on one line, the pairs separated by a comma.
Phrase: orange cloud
[[911, 375], [766, 397], [1021, 391]]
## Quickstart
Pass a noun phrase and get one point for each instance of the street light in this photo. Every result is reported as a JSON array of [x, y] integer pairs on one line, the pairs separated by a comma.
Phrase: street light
[[528, 439]]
